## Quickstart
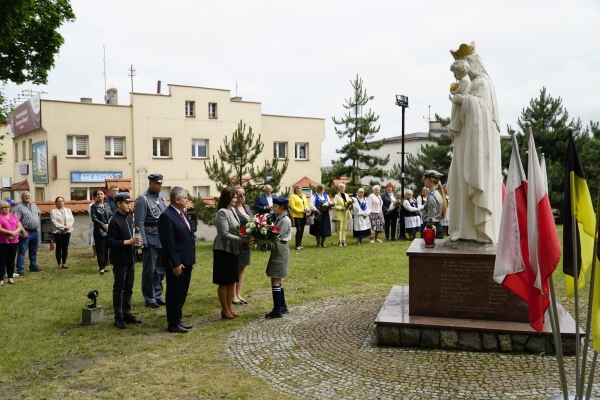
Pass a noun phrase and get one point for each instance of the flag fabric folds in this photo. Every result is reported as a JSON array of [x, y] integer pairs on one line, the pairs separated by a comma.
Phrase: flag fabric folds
[[512, 268], [596, 304], [544, 245], [578, 204]]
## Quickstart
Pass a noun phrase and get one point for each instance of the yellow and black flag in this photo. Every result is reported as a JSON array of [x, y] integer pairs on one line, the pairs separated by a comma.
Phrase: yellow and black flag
[[578, 205]]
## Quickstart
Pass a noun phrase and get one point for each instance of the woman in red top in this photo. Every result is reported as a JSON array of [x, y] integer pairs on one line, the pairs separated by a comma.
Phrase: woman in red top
[[10, 226]]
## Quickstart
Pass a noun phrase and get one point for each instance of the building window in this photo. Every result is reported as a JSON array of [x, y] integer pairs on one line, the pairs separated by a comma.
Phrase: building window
[[189, 108], [280, 150], [30, 148], [77, 146], [199, 148], [24, 151], [83, 193], [200, 191], [212, 110], [16, 152], [161, 147], [301, 151], [40, 194], [165, 192], [114, 146]]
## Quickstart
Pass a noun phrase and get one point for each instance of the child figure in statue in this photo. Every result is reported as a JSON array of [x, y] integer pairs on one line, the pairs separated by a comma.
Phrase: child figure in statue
[[460, 68]]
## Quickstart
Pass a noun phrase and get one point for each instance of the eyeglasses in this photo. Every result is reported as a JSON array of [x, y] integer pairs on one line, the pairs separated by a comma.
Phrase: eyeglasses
[[242, 195], [4, 207]]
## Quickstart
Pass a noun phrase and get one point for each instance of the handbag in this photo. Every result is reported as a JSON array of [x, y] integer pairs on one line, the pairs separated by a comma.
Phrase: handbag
[[310, 218], [103, 233]]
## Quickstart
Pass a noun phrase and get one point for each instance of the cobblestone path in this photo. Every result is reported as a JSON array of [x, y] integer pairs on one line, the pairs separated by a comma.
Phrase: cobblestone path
[[327, 350]]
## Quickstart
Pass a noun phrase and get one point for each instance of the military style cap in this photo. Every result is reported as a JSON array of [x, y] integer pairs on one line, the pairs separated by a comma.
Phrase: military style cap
[[430, 173], [11, 202], [280, 201], [123, 196], [155, 178]]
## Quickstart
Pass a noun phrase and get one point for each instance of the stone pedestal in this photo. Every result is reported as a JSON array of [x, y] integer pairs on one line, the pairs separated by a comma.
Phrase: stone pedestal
[[454, 304], [90, 316], [458, 283]]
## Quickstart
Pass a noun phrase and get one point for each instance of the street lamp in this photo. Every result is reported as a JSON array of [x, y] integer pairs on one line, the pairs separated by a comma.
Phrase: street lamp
[[402, 101]]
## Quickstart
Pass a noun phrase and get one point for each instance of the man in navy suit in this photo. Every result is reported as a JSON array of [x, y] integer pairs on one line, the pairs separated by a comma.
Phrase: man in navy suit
[[179, 256], [264, 202]]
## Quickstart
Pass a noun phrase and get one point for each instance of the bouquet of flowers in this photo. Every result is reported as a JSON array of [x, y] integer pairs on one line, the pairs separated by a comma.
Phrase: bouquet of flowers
[[348, 203], [261, 230], [326, 205], [398, 203]]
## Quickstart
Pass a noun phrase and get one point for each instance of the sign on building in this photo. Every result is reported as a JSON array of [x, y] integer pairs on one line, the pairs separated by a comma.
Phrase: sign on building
[[94, 177]]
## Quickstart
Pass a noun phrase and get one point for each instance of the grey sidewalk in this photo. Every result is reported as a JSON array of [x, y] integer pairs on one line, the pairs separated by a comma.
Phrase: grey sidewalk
[[326, 350]]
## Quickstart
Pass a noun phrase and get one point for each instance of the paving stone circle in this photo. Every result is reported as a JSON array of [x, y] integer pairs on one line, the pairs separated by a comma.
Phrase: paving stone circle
[[327, 350]]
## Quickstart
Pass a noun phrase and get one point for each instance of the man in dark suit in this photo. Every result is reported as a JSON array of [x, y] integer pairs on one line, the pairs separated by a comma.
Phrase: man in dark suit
[[179, 256], [264, 202]]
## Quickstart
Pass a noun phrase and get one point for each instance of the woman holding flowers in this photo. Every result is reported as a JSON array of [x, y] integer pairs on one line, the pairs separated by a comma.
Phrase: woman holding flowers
[[277, 267], [226, 249], [244, 215], [412, 218], [300, 210], [374, 202], [343, 203], [361, 222], [320, 205]]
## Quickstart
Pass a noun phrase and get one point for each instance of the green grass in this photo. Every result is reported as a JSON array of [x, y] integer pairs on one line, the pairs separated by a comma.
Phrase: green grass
[[46, 353]]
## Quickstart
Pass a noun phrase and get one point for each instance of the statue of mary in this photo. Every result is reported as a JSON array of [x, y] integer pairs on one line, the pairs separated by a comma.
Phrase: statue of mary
[[474, 180]]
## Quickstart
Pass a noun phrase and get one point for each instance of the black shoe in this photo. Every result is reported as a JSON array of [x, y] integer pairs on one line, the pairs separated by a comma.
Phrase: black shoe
[[22, 273], [119, 323], [273, 315], [284, 310], [186, 326], [36, 269], [131, 319], [161, 302], [153, 305], [177, 329], [393, 240]]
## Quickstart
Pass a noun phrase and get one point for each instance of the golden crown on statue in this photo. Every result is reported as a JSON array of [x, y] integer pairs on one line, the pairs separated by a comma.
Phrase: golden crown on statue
[[463, 50]]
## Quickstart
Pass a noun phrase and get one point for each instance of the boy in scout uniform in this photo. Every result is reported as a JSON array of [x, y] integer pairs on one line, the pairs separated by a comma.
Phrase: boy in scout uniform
[[148, 207]]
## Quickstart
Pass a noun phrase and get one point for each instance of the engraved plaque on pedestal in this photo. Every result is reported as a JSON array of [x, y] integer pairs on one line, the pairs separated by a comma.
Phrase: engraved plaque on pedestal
[[453, 283]]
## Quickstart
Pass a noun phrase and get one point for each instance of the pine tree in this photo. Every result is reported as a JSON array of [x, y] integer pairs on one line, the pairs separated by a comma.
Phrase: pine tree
[[436, 156], [235, 166], [355, 161], [549, 124]]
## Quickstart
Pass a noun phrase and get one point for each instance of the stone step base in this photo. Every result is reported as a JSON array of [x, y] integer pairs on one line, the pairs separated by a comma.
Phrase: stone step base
[[395, 327]]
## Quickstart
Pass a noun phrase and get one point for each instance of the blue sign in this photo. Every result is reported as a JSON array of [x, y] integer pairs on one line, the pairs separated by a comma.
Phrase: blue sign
[[93, 177]]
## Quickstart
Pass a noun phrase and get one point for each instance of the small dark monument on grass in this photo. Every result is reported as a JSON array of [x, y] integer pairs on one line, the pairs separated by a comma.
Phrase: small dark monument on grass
[[92, 313]]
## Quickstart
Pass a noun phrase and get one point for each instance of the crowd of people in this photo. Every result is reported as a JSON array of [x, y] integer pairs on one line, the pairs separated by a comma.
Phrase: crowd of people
[[163, 230]]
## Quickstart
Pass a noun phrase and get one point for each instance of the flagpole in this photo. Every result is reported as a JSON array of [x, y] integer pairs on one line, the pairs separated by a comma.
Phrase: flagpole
[[557, 340], [591, 298], [577, 329], [588, 393]]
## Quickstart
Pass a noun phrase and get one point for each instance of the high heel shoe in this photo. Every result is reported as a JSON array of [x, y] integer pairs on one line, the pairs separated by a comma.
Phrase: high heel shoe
[[235, 315], [227, 316]]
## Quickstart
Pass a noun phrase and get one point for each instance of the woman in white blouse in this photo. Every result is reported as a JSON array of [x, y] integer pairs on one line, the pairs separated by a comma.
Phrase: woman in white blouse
[[62, 221], [374, 203]]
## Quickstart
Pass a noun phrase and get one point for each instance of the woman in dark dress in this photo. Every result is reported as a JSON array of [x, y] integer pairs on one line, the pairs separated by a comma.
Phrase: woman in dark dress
[[101, 215], [321, 229], [244, 214]]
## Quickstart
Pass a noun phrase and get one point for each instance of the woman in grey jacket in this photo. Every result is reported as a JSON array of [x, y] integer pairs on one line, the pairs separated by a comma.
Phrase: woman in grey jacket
[[226, 249]]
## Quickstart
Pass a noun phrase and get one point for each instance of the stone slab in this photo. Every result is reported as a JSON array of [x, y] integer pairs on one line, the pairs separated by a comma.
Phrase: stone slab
[[458, 283], [395, 312], [90, 316]]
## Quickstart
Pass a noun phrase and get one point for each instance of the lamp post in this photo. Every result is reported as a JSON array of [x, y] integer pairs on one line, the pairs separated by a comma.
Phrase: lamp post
[[402, 101]]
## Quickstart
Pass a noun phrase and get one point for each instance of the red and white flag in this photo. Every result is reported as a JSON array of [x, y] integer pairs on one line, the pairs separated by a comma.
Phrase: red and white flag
[[544, 246], [512, 267]]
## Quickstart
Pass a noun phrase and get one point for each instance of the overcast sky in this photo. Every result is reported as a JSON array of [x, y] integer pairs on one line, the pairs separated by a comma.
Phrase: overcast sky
[[297, 58]]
